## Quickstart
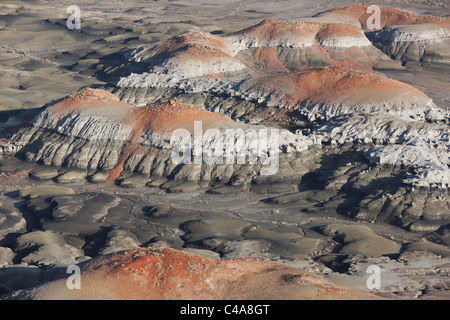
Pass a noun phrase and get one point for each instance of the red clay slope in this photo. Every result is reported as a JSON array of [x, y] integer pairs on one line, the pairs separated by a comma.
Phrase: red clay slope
[[333, 85], [321, 38], [85, 99], [198, 43], [169, 116], [168, 274], [162, 119]]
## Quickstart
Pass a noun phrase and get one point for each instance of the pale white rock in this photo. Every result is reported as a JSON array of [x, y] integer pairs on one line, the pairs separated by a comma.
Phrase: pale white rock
[[428, 33], [190, 55], [345, 42]]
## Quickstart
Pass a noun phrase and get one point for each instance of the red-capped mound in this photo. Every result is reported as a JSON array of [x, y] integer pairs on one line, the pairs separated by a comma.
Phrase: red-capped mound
[[199, 43], [171, 115], [275, 45], [161, 118], [272, 33], [390, 16], [335, 85], [192, 54], [328, 30], [85, 99], [168, 274], [122, 131]]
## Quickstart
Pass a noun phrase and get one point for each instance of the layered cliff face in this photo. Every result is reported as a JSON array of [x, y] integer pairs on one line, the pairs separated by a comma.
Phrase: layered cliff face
[[92, 130], [303, 44], [389, 16], [425, 43], [273, 45], [194, 54], [315, 78], [402, 35], [396, 116]]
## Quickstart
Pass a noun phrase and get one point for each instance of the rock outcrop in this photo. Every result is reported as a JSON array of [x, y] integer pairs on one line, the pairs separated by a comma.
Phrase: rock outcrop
[[275, 45], [342, 105], [92, 130], [403, 35], [193, 54], [389, 16]]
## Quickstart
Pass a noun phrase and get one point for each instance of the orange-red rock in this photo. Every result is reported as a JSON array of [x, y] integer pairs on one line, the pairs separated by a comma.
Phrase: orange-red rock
[[333, 85], [169, 274], [191, 54]]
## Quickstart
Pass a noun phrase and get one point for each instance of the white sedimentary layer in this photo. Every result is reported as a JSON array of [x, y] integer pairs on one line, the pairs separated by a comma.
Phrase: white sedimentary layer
[[429, 33], [286, 39], [345, 42], [89, 139], [221, 60], [199, 67], [407, 107], [398, 141], [404, 130]]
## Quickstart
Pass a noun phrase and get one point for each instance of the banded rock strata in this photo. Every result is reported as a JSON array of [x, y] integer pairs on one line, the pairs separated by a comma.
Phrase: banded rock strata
[[92, 130], [403, 35]]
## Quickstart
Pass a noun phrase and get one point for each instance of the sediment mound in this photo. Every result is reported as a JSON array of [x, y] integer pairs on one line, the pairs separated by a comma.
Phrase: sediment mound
[[277, 46], [390, 16], [168, 274], [402, 35], [337, 90], [272, 33], [93, 131], [193, 54]]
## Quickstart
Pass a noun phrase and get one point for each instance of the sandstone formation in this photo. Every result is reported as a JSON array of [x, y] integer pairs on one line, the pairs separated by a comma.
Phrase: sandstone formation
[[270, 46], [194, 54], [92, 130], [403, 35]]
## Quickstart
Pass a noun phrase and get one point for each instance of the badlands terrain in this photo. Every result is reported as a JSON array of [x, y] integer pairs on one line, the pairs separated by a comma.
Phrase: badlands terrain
[[355, 171]]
